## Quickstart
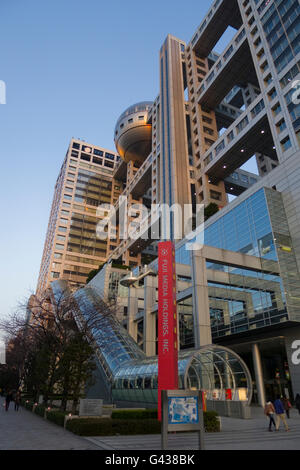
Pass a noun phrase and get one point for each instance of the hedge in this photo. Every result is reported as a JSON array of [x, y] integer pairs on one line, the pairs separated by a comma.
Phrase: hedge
[[134, 414], [29, 405], [130, 425], [112, 427], [40, 410], [57, 417], [211, 421]]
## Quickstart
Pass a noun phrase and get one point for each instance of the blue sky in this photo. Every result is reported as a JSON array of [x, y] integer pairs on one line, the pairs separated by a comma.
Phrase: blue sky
[[71, 68]]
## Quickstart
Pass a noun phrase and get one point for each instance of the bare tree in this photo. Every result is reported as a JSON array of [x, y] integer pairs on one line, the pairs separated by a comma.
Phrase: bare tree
[[58, 337]]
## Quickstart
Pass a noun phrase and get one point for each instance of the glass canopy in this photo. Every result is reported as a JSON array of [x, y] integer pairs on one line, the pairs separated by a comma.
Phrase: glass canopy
[[133, 376]]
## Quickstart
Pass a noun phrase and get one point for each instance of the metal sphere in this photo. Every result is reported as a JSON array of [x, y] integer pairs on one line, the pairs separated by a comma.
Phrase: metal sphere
[[133, 134]]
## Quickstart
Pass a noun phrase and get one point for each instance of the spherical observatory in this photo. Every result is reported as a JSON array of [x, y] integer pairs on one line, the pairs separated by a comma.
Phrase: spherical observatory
[[133, 132]]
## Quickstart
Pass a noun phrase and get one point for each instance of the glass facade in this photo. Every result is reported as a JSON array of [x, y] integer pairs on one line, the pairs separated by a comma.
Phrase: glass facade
[[281, 24], [244, 299], [134, 377]]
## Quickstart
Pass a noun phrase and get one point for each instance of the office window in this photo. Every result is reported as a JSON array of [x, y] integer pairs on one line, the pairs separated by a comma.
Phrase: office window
[[286, 144]]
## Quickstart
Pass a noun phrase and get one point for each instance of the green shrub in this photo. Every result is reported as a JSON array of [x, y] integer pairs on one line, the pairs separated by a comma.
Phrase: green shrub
[[211, 421], [57, 417], [129, 425], [112, 427], [40, 410], [29, 405], [134, 414]]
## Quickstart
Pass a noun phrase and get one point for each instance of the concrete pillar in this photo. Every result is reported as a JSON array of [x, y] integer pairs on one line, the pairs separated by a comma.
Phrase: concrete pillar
[[132, 311], [201, 316], [258, 374], [150, 285]]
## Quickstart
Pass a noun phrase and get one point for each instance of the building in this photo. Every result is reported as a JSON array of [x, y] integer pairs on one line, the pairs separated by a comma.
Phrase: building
[[214, 112], [72, 248]]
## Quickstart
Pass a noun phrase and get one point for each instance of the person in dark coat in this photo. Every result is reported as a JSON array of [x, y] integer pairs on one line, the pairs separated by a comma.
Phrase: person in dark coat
[[17, 400], [280, 414], [287, 406], [8, 399]]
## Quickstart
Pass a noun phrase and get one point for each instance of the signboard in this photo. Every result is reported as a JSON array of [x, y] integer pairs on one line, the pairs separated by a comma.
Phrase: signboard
[[90, 407], [183, 410], [2, 352], [167, 321]]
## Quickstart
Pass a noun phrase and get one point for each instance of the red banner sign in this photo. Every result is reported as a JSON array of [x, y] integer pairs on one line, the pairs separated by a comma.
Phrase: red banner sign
[[167, 321]]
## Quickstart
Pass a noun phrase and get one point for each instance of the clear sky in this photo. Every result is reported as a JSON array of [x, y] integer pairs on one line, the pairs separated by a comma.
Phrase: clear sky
[[70, 67]]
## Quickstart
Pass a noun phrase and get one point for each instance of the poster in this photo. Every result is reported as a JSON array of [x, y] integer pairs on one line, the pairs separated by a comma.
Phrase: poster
[[183, 410]]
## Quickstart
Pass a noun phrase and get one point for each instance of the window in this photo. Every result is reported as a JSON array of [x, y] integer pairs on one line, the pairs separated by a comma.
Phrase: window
[[62, 229], [57, 255], [277, 109], [286, 144], [110, 156], [241, 125], [207, 119], [76, 146], [215, 195], [230, 136], [54, 275], [281, 126], [85, 157], [99, 153], [58, 246]]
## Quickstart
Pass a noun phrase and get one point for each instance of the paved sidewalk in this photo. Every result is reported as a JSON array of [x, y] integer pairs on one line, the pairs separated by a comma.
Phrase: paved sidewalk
[[236, 434], [23, 430]]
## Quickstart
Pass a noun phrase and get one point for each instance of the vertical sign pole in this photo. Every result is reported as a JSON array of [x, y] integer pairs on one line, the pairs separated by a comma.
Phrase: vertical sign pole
[[167, 321]]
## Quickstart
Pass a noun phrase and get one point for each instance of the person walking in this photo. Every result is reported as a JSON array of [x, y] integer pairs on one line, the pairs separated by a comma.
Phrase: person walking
[[269, 412], [297, 402], [17, 400], [280, 414], [287, 406], [8, 399]]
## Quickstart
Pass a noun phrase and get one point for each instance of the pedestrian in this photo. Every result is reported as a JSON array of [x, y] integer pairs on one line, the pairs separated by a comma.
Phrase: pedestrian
[[287, 406], [269, 412], [280, 414], [297, 402], [8, 399], [17, 400]]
